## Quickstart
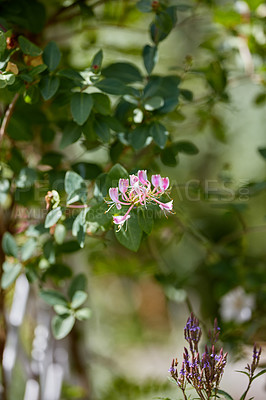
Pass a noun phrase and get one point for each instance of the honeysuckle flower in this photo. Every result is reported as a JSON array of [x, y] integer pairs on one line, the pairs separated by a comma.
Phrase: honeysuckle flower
[[113, 193], [123, 185], [142, 175], [156, 180], [136, 192]]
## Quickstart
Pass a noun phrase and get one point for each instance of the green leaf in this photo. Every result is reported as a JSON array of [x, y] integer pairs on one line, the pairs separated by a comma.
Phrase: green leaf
[[185, 147], [37, 70], [112, 86], [49, 86], [52, 297], [61, 326], [163, 22], [28, 47], [262, 151], [225, 394], [83, 314], [138, 137], [70, 246], [62, 310], [115, 173], [28, 249], [81, 106], [10, 273], [101, 103], [144, 6], [98, 215], [52, 217], [51, 56], [9, 245], [71, 134], [125, 72], [78, 299], [75, 187], [259, 374], [145, 220], [27, 177], [187, 94], [70, 74], [150, 57], [159, 134], [52, 158], [169, 157], [60, 233], [153, 103], [2, 43], [102, 130], [79, 227], [79, 283], [96, 63], [87, 170], [130, 236]]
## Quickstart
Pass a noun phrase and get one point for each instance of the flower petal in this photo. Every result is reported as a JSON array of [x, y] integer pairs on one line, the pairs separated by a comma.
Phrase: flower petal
[[123, 185], [120, 219], [164, 184], [166, 206], [156, 180], [113, 193], [142, 175]]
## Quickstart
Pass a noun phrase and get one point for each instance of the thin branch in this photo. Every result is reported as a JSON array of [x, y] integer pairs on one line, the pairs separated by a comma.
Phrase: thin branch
[[8, 115]]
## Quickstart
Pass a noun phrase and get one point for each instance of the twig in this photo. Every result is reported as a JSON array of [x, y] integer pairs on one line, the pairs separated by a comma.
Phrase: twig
[[8, 115]]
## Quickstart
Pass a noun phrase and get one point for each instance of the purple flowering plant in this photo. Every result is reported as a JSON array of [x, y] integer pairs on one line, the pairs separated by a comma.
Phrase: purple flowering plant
[[204, 372]]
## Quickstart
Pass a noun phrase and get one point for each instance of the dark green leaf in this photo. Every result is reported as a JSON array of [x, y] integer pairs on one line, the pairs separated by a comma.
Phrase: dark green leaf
[[71, 134], [49, 86], [81, 106], [169, 157], [159, 134], [52, 297], [102, 103], [70, 246], [10, 273], [51, 56], [87, 170], [124, 72], [79, 282], [130, 236], [112, 86], [2, 43], [9, 245], [225, 394], [52, 158], [97, 61], [101, 129], [145, 220], [262, 151], [70, 74], [62, 325], [52, 217], [99, 215], [28, 47], [185, 147], [115, 173], [187, 94], [37, 70], [150, 56], [163, 22], [138, 137]]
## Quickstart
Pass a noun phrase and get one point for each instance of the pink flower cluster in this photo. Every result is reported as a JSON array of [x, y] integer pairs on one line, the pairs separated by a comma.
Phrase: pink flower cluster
[[138, 191]]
